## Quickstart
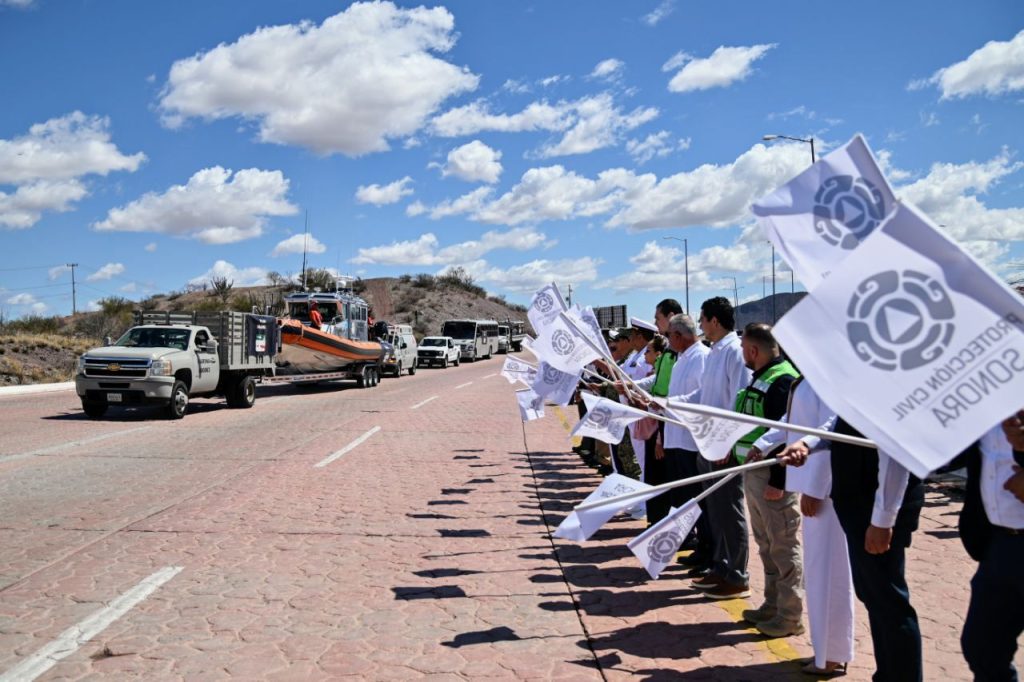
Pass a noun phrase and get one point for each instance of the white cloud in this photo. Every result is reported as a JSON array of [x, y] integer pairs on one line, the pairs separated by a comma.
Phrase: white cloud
[[608, 69], [655, 145], [364, 76], [57, 272], [553, 80], [725, 66], [425, 251], [213, 207], [599, 124], [664, 8], [474, 162], [47, 164], [150, 247], [467, 203], [108, 271], [802, 111], [380, 195], [950, 195], [661, 267], [298, 243], [38, 308], [476, 117], [929, 119], [529, 277], [993, 69], [245, 277], [516, 87], [21, 299], [19, 4], [129, 288]]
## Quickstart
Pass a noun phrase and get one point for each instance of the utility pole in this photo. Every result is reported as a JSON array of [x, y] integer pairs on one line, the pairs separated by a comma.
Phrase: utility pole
[[74, 294], [735, 293], [774, 316], [569, 297], [764, 286], [305, 245]]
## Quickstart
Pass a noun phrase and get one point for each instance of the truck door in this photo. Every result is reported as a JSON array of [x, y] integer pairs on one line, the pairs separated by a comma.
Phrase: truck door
[[207, 362]]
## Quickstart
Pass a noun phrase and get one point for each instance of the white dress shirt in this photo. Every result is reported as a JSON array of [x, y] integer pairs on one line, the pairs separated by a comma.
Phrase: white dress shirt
[[685, 379], [725, 375], [1001, 507]]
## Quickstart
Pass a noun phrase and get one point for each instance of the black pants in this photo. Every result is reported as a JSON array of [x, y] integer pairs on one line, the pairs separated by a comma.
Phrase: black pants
[[880, 584], [656, 472], [995, 617]]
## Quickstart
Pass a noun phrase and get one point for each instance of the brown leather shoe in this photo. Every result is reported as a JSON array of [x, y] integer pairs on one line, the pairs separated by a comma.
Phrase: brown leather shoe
[[709, 581], [727, 590]]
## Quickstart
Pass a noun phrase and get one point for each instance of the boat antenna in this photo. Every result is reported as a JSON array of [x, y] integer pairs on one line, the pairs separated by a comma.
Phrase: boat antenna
[[305, 246]]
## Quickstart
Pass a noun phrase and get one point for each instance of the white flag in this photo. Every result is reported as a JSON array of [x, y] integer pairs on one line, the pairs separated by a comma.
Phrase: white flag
[[714, 436], [515, 370], [656, 547], [554, 385], [589, 318], [545, 305], [913, 342], [528, 342], [531, 405], [562, 347], [606, 420], [579, 526], [817, 218]]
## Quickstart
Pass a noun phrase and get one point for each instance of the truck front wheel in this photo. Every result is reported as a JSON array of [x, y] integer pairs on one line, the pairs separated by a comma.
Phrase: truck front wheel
[[412, 368], [94, 410], [178, 404]]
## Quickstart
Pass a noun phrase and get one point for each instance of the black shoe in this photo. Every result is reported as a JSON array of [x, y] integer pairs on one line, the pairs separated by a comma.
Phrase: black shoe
[[699, 571], [693, 559], [605, 469]]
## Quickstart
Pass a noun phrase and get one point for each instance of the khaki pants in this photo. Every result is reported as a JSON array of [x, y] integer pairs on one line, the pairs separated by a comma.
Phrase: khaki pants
[[776, 529]]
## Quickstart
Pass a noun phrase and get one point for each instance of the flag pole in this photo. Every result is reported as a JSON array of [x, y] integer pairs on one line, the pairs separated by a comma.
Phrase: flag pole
[[717, 412]]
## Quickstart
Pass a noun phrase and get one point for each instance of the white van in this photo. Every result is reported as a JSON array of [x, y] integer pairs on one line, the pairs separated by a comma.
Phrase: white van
[[403, 355]]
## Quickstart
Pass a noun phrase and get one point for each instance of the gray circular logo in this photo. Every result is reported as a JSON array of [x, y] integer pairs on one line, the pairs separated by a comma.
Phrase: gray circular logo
[[551, 375], [599, 416], [700, 425], [846, 210], [900, 320], [563, 342], [664, 545], [544, 302]]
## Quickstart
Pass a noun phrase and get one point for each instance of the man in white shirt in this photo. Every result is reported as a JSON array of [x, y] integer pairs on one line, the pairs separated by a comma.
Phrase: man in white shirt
[[992, 529], [725, 374]]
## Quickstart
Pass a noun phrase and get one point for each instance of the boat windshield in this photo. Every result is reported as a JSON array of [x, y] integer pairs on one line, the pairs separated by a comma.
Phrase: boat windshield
[[150, 337], [460, 330], [433, 341]]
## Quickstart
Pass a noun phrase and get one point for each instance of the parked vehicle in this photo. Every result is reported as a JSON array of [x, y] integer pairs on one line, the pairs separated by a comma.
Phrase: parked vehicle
[[477, 339], [504, 338], [438, 350], [402, 353], [168, 358]]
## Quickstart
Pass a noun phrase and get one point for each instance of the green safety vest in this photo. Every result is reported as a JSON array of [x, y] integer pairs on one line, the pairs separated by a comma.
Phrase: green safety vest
[[751, 401], [663, 374]]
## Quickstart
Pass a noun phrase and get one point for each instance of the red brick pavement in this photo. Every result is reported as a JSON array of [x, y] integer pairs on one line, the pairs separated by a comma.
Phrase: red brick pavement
[[421, 553]]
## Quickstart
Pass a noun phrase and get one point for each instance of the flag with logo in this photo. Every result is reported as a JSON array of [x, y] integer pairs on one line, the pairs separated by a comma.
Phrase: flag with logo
[[714, 436], [589, 317], [606, 420], [545, 305], [562, 345], [579, 526], [817, 218], [913, 342], [656, 547], [531, 405], [515, 370], [555, 385]]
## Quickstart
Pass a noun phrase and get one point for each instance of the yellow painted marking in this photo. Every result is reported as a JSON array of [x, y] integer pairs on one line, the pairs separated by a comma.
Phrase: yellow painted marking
[[576, 440], [779, 648]]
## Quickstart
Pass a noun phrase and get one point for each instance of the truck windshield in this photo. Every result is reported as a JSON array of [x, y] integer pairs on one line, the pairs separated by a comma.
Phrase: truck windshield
[[432, 342], [460, 330], [149, 337]]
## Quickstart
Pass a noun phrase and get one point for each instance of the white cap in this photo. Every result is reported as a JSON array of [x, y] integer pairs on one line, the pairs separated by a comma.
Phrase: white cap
[[642, 324]]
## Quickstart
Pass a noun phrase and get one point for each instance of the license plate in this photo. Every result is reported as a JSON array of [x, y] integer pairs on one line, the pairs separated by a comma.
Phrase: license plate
[[113, 397]]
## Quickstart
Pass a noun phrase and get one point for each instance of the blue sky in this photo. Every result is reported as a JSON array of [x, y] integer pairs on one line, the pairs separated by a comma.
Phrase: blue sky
[[161, 143]]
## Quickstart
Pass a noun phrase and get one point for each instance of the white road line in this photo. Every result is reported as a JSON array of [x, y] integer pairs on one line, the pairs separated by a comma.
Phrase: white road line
[[419, 405], [490, 375], [71, 444], [330, 458], [75, 636], [463, 385], [36, 388]]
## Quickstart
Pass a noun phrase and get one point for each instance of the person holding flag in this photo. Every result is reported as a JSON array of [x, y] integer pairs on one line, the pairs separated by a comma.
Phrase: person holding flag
[[774, 517]]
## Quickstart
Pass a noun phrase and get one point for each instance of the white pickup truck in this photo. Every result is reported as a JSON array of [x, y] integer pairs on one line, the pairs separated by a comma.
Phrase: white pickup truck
[[438, 350], [166, 358]]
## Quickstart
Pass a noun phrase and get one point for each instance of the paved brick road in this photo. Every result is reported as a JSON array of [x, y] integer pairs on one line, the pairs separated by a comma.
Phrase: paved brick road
[[422, 552]]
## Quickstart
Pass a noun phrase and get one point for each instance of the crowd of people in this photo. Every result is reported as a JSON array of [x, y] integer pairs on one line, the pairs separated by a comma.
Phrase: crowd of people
[[830, 520]]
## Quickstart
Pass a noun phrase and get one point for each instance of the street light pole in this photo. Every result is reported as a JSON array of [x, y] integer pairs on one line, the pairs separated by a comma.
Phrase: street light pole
[[774, 316], [810, 141], [686, 267]]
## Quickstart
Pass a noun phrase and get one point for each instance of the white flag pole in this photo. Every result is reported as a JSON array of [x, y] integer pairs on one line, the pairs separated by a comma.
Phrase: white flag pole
[[658, 489], [717, 412]]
